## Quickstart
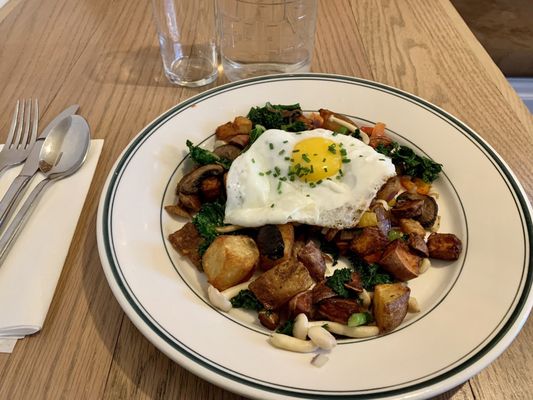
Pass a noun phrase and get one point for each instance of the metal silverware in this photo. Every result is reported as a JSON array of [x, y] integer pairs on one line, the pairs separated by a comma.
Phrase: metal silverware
[[63, 154], [30, 168]]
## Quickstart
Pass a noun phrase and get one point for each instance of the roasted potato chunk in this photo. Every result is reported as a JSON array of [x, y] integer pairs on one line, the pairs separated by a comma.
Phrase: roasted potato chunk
[[400, 261], [279, 284], [230, 260], [186, 242], [444, 246], [390, 305], [370, 240]]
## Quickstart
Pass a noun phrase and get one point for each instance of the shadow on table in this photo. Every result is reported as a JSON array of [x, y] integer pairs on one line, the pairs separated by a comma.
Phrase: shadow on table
[[141, 67]]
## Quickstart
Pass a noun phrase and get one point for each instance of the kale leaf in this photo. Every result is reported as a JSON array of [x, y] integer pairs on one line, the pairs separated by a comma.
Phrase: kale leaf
[[277, 116], [210, 216], [286, 328], [203, 156], [370, 274], [255, 133], [337, 281], [246, 299], [410, 163]]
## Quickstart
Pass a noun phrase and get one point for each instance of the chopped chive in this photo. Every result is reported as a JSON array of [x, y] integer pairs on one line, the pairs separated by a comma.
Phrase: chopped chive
[[253, 160], [331, 148], [261, 173], [287, 158], [296, 151], [306, 158], [268, 172], [272, 205], [281, 152], [346, 160], [285, 141], [271, 146]]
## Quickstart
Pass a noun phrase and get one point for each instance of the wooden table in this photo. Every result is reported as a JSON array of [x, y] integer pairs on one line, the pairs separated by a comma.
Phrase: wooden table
[[104, 56]]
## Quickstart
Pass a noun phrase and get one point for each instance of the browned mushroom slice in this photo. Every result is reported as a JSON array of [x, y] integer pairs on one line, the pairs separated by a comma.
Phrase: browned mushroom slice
[[275, 244], [189, 201], [444, 246], [338, 310], [228, 151], [240, 141], [191, 183], [279, 284], [186, 242], [370, 240], [177, 211], [399, 261], [418, 244], [390, 189], [313, 259], [420, 207]]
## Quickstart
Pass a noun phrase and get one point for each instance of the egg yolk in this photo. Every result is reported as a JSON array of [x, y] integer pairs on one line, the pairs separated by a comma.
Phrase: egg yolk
[[316, 158]]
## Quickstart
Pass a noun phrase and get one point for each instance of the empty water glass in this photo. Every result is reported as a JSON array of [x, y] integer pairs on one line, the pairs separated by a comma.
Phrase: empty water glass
[[186, 30]]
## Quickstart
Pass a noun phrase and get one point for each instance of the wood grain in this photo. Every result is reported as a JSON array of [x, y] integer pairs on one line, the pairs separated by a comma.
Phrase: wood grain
[[104, 56]]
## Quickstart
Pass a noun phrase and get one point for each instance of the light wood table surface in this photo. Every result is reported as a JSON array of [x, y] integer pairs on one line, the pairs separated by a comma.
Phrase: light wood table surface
[[104, 56]]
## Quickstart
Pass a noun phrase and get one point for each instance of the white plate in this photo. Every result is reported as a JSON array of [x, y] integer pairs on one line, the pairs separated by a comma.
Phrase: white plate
[[471, 309]]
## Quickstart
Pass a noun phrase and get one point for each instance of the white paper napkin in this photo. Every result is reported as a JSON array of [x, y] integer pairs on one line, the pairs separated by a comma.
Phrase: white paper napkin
[[30, 272]]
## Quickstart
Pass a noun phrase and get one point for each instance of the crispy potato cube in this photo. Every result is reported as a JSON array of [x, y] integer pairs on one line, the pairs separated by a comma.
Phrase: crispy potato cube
[[242, 125], [398, 260], [390, 305], [230, 260]]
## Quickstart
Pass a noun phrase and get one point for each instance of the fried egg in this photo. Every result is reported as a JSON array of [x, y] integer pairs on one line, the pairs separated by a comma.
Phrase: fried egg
[[314, 177]]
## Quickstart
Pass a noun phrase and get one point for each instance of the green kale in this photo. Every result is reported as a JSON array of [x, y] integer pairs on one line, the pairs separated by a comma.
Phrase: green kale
[[203, 156], [370, 274], [255, 133], [286, 328], [410, 163], [210, 216], [337, 281], [246, 299], [277, 117]]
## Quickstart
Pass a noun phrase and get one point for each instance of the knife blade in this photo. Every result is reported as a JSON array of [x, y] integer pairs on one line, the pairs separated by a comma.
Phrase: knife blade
[[30, 168]]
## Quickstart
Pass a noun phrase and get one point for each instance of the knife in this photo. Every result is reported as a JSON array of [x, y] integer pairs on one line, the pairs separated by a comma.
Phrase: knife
[[30, 168]]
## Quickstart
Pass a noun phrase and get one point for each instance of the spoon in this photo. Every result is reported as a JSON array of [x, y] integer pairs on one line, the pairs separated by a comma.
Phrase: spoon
[[62, 154]]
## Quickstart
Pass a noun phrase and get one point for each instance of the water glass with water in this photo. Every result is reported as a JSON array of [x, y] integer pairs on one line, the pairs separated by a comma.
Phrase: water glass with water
[[261, 37], [187, 40]]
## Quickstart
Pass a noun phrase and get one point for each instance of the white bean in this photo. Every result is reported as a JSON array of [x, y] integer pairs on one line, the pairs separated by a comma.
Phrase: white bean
[[290, 343], [321, 337], [413, 306], [350, 127], [364, 137], [424, 265], [233, 291], [365, 298], [319, 360], [301, 325], [358, 332], [218, 299]]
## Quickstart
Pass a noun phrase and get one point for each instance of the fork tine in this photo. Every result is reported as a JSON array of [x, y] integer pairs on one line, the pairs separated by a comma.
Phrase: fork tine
[[26, 127], [35, 124], [20, 124], [11, 133]]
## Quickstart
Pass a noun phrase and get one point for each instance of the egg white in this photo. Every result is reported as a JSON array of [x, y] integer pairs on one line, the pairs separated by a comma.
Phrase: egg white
[[255, 197]]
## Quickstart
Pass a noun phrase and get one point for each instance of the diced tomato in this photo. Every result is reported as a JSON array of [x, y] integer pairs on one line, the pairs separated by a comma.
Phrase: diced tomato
[[367, 129]]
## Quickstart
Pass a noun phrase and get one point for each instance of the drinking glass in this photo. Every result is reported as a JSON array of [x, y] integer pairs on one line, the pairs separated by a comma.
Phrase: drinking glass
[[261, 37], [186, 30]]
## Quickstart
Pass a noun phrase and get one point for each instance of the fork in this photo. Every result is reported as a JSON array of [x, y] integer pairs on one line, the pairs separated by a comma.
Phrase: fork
[[22, 134]]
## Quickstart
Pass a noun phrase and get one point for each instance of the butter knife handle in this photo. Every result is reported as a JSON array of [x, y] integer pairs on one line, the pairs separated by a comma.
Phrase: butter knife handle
[[13, 230], [12, 197]]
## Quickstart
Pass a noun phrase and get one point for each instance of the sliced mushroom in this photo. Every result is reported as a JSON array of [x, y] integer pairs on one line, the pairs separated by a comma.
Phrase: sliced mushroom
[[228, 151], [191, 183], [420, 207], [444, 246]]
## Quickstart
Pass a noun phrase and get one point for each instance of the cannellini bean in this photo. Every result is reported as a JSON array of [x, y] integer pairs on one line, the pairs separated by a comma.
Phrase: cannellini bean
[[218, 299], [321, 337], [319, 360], [358, 332], [424, 265], [301, 325], [233, 291], [290, 343], [350, 127], [228, 228], [413, 306], [365, 298]]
